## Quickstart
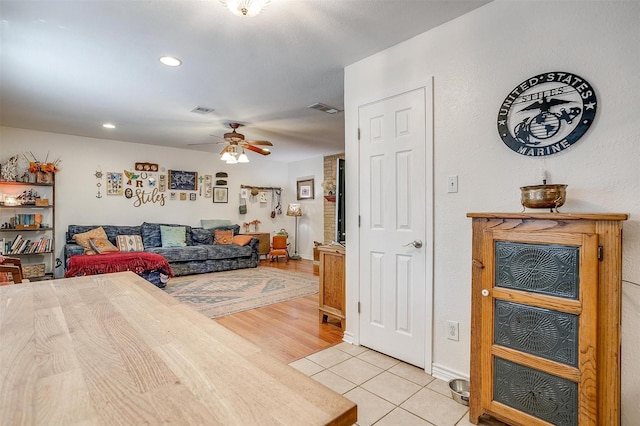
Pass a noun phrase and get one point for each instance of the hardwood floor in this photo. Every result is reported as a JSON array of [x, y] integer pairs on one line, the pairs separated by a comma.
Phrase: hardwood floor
[[288, 330]]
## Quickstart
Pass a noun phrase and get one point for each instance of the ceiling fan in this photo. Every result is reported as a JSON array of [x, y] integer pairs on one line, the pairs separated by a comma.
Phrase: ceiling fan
[[236, 144]]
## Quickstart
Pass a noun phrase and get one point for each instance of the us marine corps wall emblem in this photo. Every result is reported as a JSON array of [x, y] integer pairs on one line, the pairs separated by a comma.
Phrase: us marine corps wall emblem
[[547, 113]]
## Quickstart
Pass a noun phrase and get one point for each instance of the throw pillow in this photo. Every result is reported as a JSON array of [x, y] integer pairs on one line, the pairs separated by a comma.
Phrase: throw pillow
[[214, 223], [235, 228], [83, 239], [223, 237], [151, 236], [102, 245], [202, 236], [242, 240], [129, 243], [173, 236]]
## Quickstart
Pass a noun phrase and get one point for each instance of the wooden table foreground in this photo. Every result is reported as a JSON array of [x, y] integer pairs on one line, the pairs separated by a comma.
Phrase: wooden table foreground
[[114, 349]]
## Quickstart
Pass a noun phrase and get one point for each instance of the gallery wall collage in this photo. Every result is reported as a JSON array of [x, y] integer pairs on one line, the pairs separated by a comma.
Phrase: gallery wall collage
[[147, 184]]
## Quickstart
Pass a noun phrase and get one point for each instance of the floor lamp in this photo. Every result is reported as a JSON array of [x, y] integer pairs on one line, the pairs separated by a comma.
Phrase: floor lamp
[[296, 211]]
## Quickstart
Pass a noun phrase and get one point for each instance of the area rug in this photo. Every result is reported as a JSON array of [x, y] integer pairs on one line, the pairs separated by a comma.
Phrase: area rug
[[223, 293]]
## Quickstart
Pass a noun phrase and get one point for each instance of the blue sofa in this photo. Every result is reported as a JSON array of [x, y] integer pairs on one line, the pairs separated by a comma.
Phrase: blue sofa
[[199, 256]]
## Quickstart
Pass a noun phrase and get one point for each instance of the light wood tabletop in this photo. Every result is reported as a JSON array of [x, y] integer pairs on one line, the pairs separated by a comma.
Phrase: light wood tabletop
[[114, 349]]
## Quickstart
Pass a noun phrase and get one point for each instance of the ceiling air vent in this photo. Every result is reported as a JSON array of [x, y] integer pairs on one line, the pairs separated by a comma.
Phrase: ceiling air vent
[[202, 110], [324, 108]]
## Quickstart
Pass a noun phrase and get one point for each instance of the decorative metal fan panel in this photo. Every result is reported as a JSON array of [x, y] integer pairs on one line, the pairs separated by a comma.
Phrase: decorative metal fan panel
[[538, 268], [542, 332], [539, 394]]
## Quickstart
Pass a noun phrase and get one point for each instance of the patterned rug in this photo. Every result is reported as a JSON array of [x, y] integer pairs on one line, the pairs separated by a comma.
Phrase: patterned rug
[[223, 293]]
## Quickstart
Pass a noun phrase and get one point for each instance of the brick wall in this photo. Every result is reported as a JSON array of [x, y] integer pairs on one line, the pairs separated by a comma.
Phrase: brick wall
[[329, 206]]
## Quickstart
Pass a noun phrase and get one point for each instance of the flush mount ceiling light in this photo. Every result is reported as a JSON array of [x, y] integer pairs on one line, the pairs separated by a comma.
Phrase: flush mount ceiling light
[[245, 7], [170, 61], [109, 126]]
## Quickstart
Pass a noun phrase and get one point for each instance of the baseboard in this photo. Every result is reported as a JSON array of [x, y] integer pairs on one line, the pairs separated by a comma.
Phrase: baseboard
[[446, 374], [347, 337]]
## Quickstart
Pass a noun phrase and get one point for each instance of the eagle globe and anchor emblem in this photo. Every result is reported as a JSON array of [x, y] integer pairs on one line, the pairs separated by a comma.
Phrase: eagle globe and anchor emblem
[[547, 113]]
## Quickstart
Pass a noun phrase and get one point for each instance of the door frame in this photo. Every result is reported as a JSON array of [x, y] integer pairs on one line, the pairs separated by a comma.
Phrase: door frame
[[352, 333]]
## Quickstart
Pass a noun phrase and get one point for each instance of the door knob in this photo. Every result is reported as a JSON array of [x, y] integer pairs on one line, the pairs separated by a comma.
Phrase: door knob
[[485, 292], [415, 243]]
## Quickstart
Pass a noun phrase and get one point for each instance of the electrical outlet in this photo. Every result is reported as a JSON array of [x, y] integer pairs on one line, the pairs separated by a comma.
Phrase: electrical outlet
[[452, 184], [453, 327]]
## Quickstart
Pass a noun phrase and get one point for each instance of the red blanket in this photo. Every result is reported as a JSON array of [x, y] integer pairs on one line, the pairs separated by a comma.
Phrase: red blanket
[[137, 262]]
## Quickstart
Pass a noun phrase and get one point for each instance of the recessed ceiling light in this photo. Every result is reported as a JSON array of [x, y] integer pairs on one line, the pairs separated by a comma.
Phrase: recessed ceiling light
[[170, 61], [109, 126]]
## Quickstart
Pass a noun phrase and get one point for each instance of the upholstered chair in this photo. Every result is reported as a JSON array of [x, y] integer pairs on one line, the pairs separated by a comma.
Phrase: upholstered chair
[[279, 248]]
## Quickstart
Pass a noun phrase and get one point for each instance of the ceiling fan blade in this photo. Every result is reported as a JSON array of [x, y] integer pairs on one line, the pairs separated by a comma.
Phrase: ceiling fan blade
[[224, 149], [256, 149], [266, 143]]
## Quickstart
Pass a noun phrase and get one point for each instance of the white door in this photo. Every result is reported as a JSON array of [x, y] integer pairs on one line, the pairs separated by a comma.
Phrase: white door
[[394, 197]]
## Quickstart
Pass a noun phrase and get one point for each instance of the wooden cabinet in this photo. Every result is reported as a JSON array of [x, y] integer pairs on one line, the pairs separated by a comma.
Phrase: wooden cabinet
[[332, 283], [545, 322], [265, 242], [28, 226]]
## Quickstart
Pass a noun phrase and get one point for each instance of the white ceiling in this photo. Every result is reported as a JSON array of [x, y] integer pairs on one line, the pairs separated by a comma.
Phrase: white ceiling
[[69, 66]]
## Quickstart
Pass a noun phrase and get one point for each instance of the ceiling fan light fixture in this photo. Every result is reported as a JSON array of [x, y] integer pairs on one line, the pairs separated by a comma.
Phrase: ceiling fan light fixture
[[243, 158], [245, 7], [232, 160]]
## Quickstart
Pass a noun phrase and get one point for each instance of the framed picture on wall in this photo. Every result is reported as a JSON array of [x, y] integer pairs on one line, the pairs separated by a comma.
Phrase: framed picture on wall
[[305, 189], [220, 195], [183, 181], [114, 183]]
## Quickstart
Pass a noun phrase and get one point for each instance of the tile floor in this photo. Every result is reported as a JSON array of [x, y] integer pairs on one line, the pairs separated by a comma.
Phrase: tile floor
[[388, 392]]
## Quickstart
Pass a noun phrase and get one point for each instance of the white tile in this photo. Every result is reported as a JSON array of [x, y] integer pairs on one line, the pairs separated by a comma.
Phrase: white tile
[[371, 408], [400, 417], [435, 408], [410, 372], [306, 366], [329, 357], [352, 350], [379, 360], [356, 370], [393, 388], [333, 381], [441, 387]]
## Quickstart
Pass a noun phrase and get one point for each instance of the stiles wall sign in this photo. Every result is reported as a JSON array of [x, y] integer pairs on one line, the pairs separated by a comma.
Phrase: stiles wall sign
[[547, 113]]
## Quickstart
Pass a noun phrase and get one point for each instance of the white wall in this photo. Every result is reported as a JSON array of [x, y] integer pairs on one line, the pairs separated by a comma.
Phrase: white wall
[[310, 226], [76, 190], [476, 61]]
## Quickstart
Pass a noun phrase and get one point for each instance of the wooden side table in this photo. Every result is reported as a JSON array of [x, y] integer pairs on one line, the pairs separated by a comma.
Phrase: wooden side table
[[265, 242], [332, 284]]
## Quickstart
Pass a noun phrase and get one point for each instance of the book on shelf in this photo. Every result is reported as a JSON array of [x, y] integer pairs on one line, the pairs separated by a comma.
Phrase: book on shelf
[[45, 246], [23, 245], [15, 243]]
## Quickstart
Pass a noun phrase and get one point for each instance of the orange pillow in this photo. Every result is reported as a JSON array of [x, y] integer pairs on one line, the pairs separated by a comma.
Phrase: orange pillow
[[222, 237], [83, 239], [241, 240], [102, 245]]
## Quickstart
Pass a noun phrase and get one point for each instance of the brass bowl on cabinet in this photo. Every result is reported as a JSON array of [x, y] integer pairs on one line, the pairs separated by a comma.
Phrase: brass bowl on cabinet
[[543, 196]]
